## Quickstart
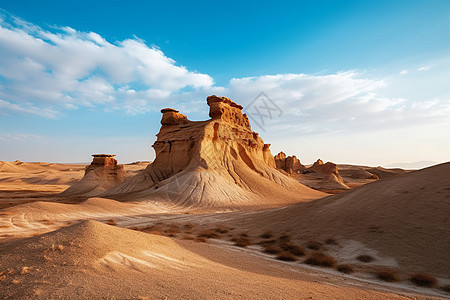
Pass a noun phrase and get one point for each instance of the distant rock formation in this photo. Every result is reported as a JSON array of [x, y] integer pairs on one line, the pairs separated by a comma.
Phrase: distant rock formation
[[290, 164], [329, 174], [102, 174], [217, 162]]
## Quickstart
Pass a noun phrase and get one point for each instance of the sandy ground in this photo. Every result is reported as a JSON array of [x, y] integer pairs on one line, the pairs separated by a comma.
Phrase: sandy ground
[[402, 222]]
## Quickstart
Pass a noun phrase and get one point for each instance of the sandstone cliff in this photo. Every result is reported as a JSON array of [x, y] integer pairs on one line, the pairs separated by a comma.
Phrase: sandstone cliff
[[217, 162]]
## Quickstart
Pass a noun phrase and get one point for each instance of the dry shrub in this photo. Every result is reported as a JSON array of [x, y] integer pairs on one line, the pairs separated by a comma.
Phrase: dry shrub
[[172, 230], [244, 234], [267, 242], [209, 234], [365, 258], [111, 222], [294, 249], [188, 226], [242, 241], [2, 277], [423, 279], [221, 229], [187, 237], [200, 240], [47, 222], [271, 249], [387, 274], [331, 241], [284, 238], [313, 245], [446, 288], [266, 234], [344, 269], [286, 256], [15, 281], [320, 259]]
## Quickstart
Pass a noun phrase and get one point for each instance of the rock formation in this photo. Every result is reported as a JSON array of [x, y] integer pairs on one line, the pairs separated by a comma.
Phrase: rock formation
[[290, 164], [102, 174], [329, 174], [217, 162]]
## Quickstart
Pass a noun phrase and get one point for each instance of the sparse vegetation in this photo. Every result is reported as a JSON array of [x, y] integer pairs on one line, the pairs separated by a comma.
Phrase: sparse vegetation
[[423, 279], [387, 274], [271, 249], [266, 234], [172, 231], [267, 242], [365, 258], [347, 269], [200, 240], [242, 241], [313, 245], [319, 258], [294, 249], [446, 288], [209, 234], [286, 256], [331, 241], [221, 229]]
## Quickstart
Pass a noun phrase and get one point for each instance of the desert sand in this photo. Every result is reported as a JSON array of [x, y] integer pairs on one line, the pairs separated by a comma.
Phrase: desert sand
[[217, 216]]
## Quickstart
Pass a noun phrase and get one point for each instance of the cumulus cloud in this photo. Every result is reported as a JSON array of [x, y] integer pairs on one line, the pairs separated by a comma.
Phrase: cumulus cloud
[[336, 103], [62, 67], [403, 72]]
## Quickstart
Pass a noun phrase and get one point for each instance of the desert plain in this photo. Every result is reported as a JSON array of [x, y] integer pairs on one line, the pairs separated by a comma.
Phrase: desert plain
[[217, 216]]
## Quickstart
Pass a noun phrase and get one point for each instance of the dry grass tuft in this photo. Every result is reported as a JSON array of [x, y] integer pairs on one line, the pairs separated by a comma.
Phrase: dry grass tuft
[[268, 242], [209, 234], [344, 269], [24, 270], [294, 249], [242, 241], [423, 279], [221, 229], [172, 230], [365, 258], [320, 259], [111, 222], [331, 241], [266, 234], [313, 245], [15, 281], [286, 256], [271, 249], [387, 274]]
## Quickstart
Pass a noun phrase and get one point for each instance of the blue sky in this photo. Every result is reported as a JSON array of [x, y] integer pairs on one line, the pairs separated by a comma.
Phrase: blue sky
[[362, 82]]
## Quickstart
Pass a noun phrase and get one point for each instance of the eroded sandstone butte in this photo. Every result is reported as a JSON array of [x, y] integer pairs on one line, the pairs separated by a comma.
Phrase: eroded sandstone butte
[[217, 162], [102, 174]]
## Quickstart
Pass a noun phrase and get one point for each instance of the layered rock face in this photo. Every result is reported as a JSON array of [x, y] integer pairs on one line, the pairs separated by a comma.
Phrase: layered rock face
[[217, 162], [290, 164], [102, 174]]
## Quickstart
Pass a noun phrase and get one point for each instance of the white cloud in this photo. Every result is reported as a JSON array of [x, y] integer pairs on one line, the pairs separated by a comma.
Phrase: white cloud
[[423, 69], [62, 67], [6, 108], [18, 137], [403, 72]]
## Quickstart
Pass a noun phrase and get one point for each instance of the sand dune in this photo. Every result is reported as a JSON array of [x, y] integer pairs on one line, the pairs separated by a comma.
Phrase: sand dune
[[405, 218], [93, 260]]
